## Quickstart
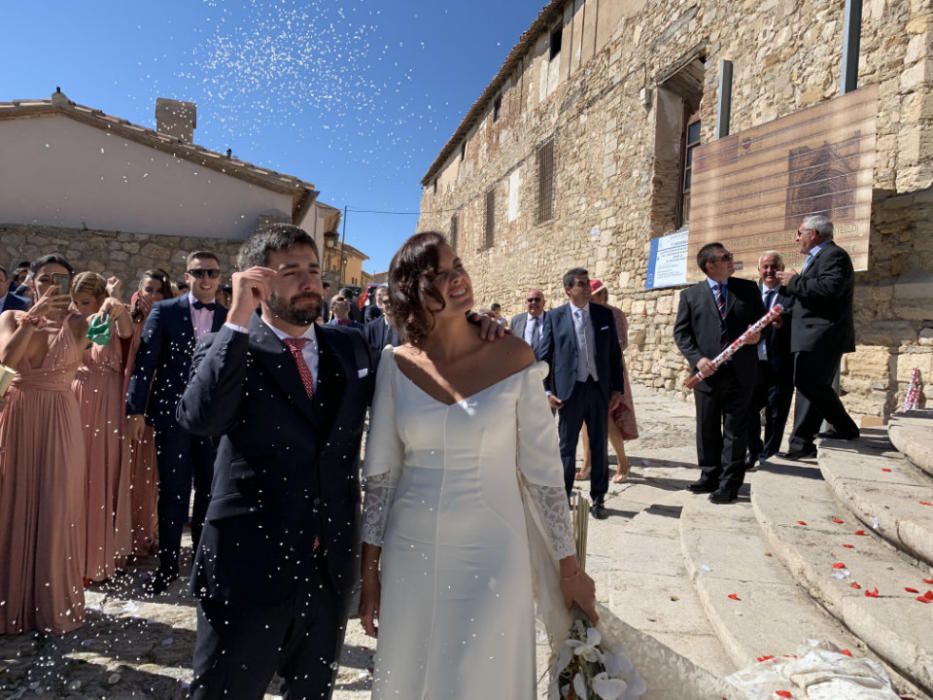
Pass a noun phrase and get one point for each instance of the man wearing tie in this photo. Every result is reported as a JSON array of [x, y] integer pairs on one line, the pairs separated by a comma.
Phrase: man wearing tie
[[711, 315], [822, 329], [530, 324], [580, 344], [8, 300], [163, 363], [775, 386]]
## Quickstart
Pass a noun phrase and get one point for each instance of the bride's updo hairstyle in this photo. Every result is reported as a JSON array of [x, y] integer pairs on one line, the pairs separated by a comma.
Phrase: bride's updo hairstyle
[[412, 296]]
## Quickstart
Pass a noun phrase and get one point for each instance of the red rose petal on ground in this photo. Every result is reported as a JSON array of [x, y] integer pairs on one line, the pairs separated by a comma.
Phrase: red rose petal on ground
[[849, 546], [925, 503], [802, 522], [838, 565], [928, 595], [921, 599], [734, 596], [910, 590], [928, 580], [764, 658], [860, 533], [838, 521], [885, 469], [846, 652], [873, 593], [854, 585], [783, 693]]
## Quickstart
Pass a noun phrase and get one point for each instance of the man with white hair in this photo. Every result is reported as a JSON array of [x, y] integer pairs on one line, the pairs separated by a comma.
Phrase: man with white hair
[[822, 329], [775, 385]]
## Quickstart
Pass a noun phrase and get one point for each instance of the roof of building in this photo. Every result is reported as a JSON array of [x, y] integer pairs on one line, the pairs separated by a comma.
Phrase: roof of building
[[354, 251], [542, 23], [303, 192]]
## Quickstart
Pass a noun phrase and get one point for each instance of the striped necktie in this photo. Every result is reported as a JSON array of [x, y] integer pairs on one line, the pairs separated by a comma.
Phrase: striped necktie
[[718, 293]]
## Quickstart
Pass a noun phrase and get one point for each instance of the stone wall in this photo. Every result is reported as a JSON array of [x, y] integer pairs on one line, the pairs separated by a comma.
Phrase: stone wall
[[610, 187], [126, 255]]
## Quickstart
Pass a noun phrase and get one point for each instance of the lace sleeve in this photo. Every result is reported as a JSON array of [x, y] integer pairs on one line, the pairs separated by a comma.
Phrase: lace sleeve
[[551, 502], [379, 491]]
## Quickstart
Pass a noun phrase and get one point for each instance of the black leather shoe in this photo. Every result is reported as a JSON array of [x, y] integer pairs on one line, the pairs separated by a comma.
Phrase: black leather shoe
[[598, 511], [834, 435], [722, 497], [160, 582], [702, 487], [794, 455]]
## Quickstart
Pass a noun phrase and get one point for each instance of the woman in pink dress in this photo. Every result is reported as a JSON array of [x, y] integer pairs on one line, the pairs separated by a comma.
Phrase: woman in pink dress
[[139, 456], [99, 389], [42, 461], [622, 425]]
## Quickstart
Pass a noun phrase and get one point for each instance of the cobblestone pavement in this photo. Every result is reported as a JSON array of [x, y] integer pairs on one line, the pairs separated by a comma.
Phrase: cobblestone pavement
[[133, 647]]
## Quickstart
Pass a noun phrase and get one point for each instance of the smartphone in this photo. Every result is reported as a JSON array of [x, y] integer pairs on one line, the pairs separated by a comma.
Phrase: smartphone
[[62, 281]]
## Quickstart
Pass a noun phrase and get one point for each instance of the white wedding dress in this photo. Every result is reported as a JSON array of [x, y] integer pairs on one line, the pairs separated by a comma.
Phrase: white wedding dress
[[444, 499]]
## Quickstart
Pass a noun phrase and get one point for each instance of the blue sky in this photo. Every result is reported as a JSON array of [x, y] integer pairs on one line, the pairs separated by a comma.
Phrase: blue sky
[[357, 96]]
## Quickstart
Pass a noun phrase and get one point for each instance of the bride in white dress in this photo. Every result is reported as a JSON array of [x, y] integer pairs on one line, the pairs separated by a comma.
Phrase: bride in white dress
[[461, 443]]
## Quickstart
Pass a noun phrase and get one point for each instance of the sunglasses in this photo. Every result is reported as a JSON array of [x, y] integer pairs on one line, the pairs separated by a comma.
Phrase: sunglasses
[[725, 257], [534, 300], [201, 274]]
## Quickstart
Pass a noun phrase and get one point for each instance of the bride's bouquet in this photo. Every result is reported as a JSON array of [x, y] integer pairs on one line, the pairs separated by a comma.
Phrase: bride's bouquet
[[587, 667]]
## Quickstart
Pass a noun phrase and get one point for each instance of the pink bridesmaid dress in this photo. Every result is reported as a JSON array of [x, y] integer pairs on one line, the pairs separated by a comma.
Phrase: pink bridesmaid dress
[[42, 492]]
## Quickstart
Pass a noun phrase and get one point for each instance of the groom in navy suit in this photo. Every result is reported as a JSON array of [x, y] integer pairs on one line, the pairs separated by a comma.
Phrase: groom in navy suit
[[163, 363], [581, 346]]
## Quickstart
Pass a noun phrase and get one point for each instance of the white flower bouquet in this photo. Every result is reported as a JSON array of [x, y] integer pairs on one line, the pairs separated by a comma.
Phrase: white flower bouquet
[[590, 668]]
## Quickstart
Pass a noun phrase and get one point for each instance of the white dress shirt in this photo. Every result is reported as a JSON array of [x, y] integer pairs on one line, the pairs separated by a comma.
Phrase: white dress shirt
[[202, 320], [533, 327], [768, 298], [310, 351]]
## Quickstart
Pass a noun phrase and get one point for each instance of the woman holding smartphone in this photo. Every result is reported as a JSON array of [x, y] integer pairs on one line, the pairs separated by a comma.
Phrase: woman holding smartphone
[[42, 468], [98, 386]]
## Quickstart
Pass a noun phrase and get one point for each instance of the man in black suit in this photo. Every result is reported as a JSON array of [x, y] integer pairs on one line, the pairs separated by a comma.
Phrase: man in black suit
[[775, 386], [8, 300], [713, 313], [822, 329], [285, 398], [163, 363], [585, 382], [529, 325], [380, 332], [378, 307]]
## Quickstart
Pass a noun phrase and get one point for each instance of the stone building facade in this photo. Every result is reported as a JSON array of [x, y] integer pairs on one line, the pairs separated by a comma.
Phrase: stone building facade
[[588, 93]]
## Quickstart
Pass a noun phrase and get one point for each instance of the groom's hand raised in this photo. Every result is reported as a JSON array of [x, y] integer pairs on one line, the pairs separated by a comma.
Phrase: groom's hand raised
[[250, 287]]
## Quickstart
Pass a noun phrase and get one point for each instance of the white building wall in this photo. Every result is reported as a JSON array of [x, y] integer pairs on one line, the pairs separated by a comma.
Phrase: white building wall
[[55, 171]]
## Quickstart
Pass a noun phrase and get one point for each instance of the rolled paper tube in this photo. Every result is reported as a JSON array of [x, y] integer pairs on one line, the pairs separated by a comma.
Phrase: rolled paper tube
[[733, 347], [7, 376]]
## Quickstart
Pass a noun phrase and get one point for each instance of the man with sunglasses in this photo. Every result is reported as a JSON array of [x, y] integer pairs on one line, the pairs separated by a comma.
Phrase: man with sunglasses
[[163, 362], [529, 324], [713, 313]]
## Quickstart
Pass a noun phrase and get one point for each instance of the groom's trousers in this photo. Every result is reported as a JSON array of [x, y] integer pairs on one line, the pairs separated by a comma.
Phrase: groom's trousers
[[241, 645]]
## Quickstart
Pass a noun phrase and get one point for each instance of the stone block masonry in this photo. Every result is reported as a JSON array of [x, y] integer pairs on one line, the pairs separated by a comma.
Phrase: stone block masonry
[[610, 114], [126, 255]]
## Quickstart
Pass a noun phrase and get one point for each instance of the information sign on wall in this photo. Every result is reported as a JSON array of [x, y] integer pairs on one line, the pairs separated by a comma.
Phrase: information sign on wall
[[752, 189], [667, 261]]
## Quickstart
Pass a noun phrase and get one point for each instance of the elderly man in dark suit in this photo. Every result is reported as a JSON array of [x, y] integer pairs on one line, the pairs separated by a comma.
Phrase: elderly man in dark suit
[[163, 363], [585, 382], [8, 300], [529, 325], [285, 399], [713, 313], [775, 386], [822, 330], [380, 332]]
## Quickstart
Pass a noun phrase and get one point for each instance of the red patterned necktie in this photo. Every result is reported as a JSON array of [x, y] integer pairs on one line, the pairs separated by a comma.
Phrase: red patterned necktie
[[296, 345]]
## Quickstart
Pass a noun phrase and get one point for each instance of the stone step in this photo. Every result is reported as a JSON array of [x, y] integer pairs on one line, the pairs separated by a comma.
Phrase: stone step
[[912, 435], [883, 489], [726, 556], [843, 571], [652, 592]]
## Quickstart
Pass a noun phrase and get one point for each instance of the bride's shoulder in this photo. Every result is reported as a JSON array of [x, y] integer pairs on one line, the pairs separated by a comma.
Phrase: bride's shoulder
[[511, 353]]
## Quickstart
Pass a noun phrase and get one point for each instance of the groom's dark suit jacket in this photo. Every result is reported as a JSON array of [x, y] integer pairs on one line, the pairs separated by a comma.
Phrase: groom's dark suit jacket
[[287, 468]]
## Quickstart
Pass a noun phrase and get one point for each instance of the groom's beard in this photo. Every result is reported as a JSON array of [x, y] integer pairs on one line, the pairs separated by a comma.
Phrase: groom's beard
[[290, 312]]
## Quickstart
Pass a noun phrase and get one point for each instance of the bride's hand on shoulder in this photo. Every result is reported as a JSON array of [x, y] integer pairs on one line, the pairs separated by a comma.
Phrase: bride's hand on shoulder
[[580, 589], [369, 604]]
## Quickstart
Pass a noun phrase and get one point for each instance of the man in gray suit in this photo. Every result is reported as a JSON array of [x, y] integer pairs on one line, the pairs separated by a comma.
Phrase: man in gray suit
[[529, 325]]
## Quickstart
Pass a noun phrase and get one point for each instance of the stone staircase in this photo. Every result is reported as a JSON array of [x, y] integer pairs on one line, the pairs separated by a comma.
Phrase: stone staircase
[[837, 549]]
